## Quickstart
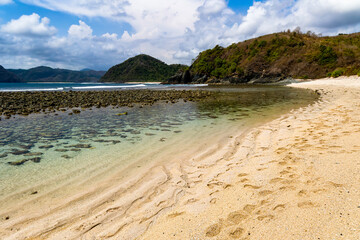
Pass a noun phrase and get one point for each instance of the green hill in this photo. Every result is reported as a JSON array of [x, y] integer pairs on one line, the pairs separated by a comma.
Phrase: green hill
[[8, 77], [47, 74], [277, 56], [142, 68]]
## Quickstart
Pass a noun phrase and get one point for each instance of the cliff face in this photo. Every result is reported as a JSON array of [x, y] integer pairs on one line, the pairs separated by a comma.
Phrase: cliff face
[[278, 56], [141, 68], [8, 77]]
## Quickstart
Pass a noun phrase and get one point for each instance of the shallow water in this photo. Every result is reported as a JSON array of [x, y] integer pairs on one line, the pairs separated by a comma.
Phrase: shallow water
[[57, 150]]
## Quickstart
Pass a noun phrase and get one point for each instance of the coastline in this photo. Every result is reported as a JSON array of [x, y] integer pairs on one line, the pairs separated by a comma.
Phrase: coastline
[[294, 169]]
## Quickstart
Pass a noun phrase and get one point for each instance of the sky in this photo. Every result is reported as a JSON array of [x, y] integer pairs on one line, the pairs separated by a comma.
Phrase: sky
[[97, 34]]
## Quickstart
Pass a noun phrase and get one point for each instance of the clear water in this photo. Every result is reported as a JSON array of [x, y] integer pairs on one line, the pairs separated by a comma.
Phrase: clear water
[[96, 143]]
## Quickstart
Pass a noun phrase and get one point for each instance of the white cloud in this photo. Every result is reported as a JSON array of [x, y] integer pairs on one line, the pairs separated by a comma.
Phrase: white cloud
[[90, 8], [30, 25], [172, 30], [4, 2], [80, 31]]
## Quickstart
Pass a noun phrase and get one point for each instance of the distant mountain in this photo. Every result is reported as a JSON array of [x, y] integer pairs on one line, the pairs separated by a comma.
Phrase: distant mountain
[[142, 68], [8, 77], [47, 74], [277, 56]]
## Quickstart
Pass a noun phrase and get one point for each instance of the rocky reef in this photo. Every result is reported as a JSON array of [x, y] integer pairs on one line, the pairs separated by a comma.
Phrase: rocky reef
[[25, 103]]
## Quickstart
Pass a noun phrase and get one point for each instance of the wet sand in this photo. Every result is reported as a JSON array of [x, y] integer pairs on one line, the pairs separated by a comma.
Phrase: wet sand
[[296, 177]]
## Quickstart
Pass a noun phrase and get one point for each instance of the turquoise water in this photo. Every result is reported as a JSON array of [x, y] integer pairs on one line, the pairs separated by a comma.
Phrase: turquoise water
[[46, 152]]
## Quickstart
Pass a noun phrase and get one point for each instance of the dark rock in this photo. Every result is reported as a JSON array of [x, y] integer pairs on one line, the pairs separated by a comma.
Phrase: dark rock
[[36, 102], [180, 78], [149, 134], [30, 154], [35, 160], [29, 146], [18, 163], [46, 146], [3, 155], [80, 146], [61, 150], [19, 152]]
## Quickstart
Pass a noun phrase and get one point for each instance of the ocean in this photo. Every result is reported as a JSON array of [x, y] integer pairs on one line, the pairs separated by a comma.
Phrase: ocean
[[18, 87]]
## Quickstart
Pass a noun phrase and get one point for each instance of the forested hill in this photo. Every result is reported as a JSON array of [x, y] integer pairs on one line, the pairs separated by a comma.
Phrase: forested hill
[[142, 68], [8, 77], [277, 56], [47, 74]]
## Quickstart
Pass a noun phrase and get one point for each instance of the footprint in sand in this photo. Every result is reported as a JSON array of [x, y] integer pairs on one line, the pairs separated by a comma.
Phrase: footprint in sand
[[261, 169], [249, 208], [263, 217], [287, 188], [275, 180], [236, 233], [242, 174], [265, 193], [251, 186], [236, 217], [307, 204], [320, 190], [279, 206], [213, 230], [174, 215], [302, 193], [334, 184]]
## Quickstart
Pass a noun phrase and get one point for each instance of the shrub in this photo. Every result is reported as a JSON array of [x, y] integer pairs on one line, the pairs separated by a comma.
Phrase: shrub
[[262, 44], [326, 55], [338, 72]]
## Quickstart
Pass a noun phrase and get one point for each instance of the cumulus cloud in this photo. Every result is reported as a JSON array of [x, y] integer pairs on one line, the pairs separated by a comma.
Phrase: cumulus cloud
[[80, 31], [30, 25], [4, 2], [172, 30]]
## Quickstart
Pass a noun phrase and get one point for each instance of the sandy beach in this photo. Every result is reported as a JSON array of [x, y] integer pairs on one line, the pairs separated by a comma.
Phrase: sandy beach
[[296, 177]]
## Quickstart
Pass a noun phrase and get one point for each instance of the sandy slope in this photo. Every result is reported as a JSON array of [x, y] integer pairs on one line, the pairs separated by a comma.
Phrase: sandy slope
[[297, 177]]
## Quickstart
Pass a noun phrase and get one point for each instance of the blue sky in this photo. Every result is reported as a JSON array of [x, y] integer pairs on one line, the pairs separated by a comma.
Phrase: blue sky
[[100, 33]]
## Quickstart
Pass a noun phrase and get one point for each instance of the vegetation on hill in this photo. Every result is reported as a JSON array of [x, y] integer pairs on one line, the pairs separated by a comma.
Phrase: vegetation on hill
[[142, 68], [277, 56], [8, 77], [47, 74]]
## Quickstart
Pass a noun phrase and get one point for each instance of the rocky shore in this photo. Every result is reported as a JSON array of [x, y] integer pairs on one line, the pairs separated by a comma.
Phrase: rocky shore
[[25, 103]]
